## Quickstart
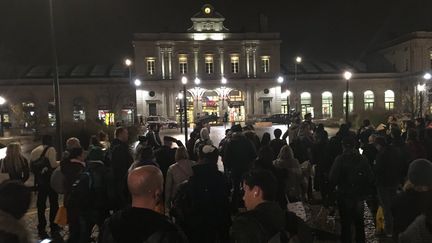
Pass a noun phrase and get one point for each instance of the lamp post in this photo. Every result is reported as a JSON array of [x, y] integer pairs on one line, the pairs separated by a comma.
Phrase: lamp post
[[55, 79], [184, 82], [2, 102], [180, 98], [347, 76], [128, 62], [223, 82], [298, 60]]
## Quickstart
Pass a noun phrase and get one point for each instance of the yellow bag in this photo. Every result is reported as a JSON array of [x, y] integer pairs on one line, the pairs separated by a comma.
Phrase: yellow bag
[[61, 216], [379, 226]]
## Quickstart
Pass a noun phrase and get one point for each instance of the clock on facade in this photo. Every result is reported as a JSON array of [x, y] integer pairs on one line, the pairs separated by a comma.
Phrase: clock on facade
[[207, 10]]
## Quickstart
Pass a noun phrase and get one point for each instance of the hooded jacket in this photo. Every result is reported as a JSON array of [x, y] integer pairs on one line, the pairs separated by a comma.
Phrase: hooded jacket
[[239, 153], [12, 230]]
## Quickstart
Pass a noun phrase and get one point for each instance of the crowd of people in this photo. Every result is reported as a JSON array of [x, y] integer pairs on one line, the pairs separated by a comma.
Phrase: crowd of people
[[163, 191]]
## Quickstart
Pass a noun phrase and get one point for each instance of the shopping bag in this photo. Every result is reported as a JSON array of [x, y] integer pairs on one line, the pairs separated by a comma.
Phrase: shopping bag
[[298, 209], [379, 226], [61, 216]]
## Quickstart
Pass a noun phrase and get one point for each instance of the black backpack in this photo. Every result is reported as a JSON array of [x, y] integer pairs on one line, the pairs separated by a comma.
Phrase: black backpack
[[358, 178], [42, 169]]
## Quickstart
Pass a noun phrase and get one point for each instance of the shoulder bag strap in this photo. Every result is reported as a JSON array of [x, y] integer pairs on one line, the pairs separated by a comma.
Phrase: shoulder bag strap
[[44, 152]]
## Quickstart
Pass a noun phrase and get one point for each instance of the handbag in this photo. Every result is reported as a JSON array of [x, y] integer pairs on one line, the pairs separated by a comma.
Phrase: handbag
[[61, 216], [297, 208], [379, 227], [4, 176]]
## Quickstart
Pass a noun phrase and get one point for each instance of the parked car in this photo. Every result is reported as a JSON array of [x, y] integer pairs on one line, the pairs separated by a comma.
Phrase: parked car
[[207, 118], [161, 121], [277, 118]]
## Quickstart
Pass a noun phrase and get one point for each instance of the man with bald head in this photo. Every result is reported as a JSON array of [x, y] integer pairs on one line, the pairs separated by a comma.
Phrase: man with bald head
[[142, 222]]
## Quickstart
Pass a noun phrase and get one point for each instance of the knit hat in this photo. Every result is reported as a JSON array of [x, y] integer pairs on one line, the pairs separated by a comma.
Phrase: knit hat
[[420, 172], [236, 128], [204, 134]]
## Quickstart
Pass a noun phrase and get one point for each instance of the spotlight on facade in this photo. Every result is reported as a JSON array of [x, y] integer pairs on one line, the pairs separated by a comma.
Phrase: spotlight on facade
[[421, 87], [280, 79], [298, 59], [2, 100], [347, 75], [427, 76], [184, 80], [197, 81], [223, 80], [137, 82], [128, 62]]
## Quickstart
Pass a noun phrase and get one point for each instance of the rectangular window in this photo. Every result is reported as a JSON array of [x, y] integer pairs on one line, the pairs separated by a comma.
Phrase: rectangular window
[[78, 113], [235, 64], [266, 107], [183, 64], [152, 109], [209, 64], [389, 106], [265, 64], [151, 66]]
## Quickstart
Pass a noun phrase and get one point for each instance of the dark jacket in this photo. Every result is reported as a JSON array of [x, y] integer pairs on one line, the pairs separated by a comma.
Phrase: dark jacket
[[417, 232], [12, 230], [258, 225], [406, 207], [388, 167], [276, 145], [71, 169], [239, 154], [121, 160], [341, 172], [165, 156], [208, 195], [135, 225]]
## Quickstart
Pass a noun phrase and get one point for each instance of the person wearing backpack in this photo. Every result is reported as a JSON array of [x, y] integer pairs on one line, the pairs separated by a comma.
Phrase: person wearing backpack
[[353, 177], [43, 162], [201, 205], [71, 167], [264, 220], [142, 223], [204, 139]]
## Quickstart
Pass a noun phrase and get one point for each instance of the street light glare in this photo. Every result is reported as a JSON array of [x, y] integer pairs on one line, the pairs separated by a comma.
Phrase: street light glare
[[421, 87], [2, 100], [180, 96], [128, 62], [184, 80], [347, 75], [288, 93], [280, 79], [298, 59], [197, 81], [223, 80], [137, 82], [427, 76]]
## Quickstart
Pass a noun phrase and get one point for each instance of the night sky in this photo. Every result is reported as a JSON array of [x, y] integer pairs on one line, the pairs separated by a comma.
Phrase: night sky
[[100, 31]]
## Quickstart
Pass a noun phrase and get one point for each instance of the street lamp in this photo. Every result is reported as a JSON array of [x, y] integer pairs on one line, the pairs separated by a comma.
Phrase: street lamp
[[180, 99], [137, 82], [421, 88], [223, 80], [347, 75], [197, 81], [2, 102], [128, 63], [184, 82], [298, 60]]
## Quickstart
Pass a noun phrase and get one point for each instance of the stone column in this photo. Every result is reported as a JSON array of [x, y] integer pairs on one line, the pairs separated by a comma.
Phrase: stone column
[[221, 53], [195, 51], [247, 62], [162, 53], [169, 63], [254, 62]]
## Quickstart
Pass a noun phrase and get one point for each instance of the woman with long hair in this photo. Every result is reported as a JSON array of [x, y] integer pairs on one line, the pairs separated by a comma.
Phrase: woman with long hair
[[15, 164]]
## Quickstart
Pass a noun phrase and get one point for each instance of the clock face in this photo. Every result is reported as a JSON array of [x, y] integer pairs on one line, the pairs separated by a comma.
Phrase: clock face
[[207, 10]]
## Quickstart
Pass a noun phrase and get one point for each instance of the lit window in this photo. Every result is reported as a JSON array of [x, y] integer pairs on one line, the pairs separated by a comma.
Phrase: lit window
[[78, 113], [151, 66], [350, 100], [209, 64], [389, 100], [327, 104], [235, 64], [183, 64], [368, 100], [265, 64], [306, 103]]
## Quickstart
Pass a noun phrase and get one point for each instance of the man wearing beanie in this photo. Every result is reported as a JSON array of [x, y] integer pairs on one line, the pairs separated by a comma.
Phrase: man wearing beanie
[[416, 196]]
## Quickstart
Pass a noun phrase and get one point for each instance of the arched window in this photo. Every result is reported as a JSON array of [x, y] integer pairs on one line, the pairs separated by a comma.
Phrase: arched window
[[389, 100], [350, 100], [368, 100], [327, 104], [306, 103]]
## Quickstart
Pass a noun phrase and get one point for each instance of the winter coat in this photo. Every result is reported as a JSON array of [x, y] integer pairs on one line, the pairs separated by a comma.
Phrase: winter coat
[[276, 145], [71, 169], [239, 154], [258, 225], [165, 157], [121, 160], [406, 207], [294, 179], [12, 230], [177, 173], [135, 225], [388, 167], [417, 232]]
